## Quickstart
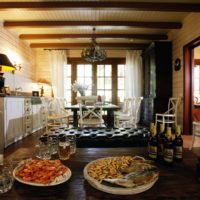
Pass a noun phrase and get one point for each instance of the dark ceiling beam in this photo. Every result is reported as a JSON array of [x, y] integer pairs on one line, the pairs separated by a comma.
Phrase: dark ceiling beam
[[56, 24], [60, 36], [82, 45], [138, 6]]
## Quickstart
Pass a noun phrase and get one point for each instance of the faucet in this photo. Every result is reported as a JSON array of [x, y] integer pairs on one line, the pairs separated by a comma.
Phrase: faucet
[[17, 90]]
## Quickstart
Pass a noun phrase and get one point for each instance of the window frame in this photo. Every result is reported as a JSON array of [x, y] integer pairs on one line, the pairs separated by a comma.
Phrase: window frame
[[112, 61]]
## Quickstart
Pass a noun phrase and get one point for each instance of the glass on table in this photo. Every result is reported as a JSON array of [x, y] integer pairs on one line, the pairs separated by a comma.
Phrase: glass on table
[[64, 148], [43, 149], [6, 177], [72, 140], [53, 140]]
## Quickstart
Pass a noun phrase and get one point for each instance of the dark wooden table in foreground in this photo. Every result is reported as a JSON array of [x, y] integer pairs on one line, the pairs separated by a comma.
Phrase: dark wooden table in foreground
[[177, 182]]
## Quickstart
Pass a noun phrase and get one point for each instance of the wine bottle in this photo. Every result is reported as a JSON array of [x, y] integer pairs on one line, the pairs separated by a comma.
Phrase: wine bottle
[[153, 145], [150, 135], [168, 148], [161, 140], [178, 145]]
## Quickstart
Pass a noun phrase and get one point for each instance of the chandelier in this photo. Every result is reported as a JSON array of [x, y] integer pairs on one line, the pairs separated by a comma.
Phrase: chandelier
[[93, 53]]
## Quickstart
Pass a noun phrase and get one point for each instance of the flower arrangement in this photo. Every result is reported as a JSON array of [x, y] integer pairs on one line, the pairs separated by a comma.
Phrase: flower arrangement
[[78, 87]]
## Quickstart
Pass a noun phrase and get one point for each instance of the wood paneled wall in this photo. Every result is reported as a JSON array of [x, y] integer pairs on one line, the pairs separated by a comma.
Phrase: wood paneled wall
[[42, 63], [179, 38], [43, 67], [18, 51]]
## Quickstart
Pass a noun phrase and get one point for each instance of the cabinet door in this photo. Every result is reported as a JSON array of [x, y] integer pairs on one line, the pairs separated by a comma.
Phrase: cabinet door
[[37, 118], [14, 123], [28, 116]]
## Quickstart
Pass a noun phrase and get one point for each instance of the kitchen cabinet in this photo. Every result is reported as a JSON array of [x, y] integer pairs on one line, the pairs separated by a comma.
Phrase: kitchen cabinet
[[39, 109], [19, 117], [37, 117], [28, 116], [13, 120], [157, 60]]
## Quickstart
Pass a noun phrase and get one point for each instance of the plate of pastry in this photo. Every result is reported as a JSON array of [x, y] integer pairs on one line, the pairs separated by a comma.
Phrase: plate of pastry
[[123, 175]]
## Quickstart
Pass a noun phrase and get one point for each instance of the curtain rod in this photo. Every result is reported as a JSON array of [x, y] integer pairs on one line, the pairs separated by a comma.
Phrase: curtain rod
[[54, 49], [82, 49]]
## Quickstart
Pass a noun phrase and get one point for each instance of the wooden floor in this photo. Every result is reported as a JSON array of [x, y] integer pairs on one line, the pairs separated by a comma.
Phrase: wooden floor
[[29, 142], [188, 139]]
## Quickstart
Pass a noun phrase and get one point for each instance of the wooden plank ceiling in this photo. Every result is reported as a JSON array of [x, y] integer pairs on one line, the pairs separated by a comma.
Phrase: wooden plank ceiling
[[119, 24]]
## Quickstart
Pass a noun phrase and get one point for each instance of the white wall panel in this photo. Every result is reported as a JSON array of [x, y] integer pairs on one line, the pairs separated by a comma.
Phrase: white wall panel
[[189, 31], [18, 51]]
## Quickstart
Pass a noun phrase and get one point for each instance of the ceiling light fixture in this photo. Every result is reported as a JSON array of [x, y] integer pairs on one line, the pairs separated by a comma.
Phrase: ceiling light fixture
[[94, 53]]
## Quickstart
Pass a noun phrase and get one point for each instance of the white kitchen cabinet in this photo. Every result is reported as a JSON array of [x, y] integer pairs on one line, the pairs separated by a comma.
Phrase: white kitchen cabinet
[[19, 117], [13, 120], [28, 116], [36, 117], [39, 114]]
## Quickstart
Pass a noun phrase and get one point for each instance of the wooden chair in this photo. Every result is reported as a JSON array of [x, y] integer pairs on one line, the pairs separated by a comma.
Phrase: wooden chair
[[170, 116], [125, 108], [56, 113], [130, 118], [195, 132], [90, 112]]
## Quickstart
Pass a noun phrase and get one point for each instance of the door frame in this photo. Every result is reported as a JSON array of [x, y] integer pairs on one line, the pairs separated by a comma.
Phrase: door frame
[[188, 61]]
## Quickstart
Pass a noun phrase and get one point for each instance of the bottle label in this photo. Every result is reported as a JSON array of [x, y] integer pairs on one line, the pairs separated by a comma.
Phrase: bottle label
[[178, 152], [168, 155], [153, 152]]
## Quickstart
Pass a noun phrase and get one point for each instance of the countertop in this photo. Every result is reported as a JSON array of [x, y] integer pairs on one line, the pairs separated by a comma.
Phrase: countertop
[[34, 99]]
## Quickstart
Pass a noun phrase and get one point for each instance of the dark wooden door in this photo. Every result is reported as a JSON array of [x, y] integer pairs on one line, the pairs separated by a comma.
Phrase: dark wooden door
[[188, 50]]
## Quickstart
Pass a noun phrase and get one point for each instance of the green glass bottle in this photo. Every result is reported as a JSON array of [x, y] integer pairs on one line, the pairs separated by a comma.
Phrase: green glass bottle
[[168, 148], [178, 145], [161, 140], [153, 145]]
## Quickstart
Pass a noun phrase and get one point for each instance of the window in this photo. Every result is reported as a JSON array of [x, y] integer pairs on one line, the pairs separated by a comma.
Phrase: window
[[104, 82], [67, 83], [105, 78], [196, 81], [84, 76], [120, 83]]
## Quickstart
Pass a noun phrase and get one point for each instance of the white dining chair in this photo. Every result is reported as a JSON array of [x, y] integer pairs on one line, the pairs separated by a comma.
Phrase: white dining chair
[[57, 115], [195, 132], [129, 119], [125, 107], [170, 116], [90, 112]]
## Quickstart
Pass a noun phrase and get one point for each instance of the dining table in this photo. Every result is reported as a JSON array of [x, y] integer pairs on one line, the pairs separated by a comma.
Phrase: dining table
[[108, 107], [175, 182]]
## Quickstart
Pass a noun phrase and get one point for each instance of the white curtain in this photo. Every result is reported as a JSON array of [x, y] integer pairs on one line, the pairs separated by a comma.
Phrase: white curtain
[[57, 60], [133, 74]]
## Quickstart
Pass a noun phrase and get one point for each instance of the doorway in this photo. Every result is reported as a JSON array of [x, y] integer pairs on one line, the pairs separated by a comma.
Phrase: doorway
[[189, 87]]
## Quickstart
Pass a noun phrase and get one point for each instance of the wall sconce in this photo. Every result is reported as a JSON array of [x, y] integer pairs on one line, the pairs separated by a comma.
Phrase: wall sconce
[[17, 67]]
